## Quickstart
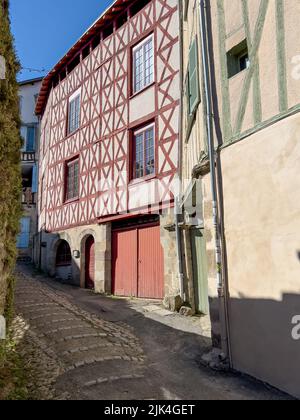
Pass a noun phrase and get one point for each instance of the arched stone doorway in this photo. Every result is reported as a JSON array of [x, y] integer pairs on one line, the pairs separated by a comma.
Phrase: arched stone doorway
[[63, 261], [89, 269]]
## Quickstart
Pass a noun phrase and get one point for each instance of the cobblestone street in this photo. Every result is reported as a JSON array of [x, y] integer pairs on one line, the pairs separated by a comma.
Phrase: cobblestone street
[[75, 352]]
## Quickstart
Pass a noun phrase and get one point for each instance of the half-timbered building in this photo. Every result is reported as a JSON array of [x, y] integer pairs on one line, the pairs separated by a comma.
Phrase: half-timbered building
[[109, 154]]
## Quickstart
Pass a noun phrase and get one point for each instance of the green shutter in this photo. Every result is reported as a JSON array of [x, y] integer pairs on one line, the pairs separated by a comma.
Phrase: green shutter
[[186, 9], [194, 88]]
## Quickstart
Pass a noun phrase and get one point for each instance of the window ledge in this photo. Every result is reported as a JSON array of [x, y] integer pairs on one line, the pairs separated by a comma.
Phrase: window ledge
[[238, 74], [72, 134], [142, 90], [141, 180], [71, 200]]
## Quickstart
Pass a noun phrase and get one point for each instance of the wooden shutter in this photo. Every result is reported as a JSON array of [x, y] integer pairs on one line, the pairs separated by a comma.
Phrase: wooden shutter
[[34, 186], [30, 146], [193, 88]]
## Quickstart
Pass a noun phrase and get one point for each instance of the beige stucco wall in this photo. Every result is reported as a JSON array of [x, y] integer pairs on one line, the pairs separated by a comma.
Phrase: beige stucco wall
[[262, 222], [194, 144], [168, 242], [261, 191], [267, 54]]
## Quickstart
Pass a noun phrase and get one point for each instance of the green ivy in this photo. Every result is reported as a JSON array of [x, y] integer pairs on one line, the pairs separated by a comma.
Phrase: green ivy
[[10, 170]]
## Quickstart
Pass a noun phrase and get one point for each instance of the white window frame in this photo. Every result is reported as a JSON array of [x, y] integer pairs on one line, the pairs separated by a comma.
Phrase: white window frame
[[240, 57], [71, 100], [134, 50], [135, 134]]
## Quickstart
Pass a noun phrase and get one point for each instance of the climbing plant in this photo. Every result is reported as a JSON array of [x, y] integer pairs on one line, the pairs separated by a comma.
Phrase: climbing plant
[[10, 173]]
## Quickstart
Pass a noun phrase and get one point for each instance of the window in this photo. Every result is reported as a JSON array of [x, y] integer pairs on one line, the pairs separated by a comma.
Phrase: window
[[63, 255], [72, 180], [143, 152], [143, 64], [28, 134], [74, 113], [238, 59]]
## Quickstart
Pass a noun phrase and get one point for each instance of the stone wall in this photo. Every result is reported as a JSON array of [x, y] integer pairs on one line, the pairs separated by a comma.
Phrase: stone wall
[[168, 241], [76, 238]]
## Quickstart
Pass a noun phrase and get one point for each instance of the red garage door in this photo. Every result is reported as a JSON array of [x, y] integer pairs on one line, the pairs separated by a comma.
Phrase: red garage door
[[138, 262]]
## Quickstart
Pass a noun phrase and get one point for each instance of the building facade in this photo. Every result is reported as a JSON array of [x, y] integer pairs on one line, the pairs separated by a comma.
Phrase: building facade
[[109, 154], [28, 94], [253, 66]]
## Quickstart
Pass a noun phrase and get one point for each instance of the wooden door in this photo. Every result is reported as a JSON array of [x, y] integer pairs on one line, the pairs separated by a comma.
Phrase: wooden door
[[150, 263], [90, 263], [137, 262], [124, 264]]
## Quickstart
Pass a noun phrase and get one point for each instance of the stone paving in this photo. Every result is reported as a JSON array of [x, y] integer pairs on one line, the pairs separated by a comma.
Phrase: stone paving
[[81, 346], [64, 339]]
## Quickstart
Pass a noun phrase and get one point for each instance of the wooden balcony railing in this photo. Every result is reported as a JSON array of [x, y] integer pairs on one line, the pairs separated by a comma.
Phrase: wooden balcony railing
[[28, 197], [28, 156]]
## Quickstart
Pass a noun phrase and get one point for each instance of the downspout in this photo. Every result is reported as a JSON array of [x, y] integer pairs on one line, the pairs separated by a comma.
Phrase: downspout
[[39, 232], [178, 209], [221, 285]]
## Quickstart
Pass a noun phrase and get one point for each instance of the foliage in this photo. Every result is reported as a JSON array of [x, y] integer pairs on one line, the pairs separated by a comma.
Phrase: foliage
[[10, 174], [13, 374]]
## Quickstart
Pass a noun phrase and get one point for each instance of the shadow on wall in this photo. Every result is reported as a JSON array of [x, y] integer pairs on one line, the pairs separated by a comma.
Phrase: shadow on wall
[[265, 340]]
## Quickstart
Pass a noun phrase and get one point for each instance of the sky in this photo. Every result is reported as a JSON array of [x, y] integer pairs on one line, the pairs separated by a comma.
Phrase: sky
[[45, 30]]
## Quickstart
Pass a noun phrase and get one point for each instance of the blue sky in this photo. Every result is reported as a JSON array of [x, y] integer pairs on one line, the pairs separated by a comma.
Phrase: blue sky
[[45, 30]]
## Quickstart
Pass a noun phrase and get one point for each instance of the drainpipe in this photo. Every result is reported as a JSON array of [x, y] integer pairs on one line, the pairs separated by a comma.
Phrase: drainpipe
[[178, 209], [221, 285]]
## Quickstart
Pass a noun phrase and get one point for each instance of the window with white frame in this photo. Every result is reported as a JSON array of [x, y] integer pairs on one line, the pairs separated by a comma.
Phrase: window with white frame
[[143, 64], [74, 112], [72, 180], [144, 152]]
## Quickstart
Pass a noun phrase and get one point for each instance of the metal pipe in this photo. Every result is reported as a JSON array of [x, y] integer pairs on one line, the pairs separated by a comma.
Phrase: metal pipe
[[177, 200], [222, 293]]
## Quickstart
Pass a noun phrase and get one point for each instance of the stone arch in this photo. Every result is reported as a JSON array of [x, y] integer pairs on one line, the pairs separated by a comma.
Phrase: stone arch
[[56, 241], [83, 237]]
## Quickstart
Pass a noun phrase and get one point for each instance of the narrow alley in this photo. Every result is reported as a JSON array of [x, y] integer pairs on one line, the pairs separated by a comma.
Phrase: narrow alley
[[83, 346]]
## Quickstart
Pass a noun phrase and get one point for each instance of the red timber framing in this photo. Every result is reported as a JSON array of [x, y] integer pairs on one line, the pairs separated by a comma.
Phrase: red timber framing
[[109, 114]]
